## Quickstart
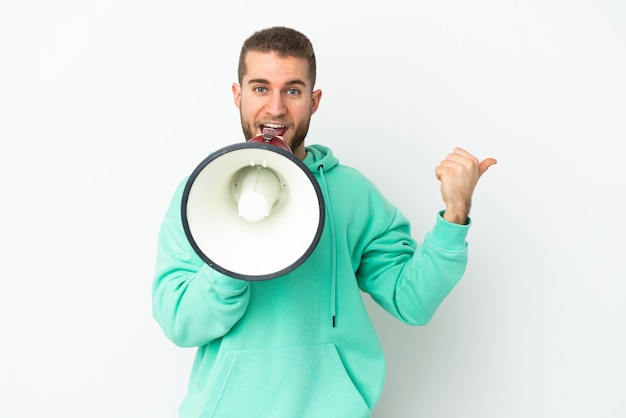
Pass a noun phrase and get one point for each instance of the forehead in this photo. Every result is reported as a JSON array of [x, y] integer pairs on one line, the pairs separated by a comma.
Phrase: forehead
[[275, 69]]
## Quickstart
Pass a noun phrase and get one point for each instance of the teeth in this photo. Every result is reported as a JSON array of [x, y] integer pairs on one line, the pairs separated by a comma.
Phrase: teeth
[[273, 125]]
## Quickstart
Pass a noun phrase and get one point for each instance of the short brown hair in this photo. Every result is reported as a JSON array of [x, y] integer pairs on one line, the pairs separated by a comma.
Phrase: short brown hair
[[286, 42]]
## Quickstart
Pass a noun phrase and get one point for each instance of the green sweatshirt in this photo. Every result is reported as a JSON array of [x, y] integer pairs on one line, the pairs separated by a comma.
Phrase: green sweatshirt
[[270, 348]]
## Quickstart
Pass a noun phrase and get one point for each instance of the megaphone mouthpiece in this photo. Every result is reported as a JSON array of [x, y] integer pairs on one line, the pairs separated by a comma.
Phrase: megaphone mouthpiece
[[268, 133], [268, 137]]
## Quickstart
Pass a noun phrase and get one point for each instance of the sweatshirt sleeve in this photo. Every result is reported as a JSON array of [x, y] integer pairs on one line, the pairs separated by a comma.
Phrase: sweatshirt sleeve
[[410, 281], [192, 303]]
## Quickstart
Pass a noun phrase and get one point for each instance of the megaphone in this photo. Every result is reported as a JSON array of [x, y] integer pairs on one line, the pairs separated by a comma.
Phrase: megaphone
[[252, 210]]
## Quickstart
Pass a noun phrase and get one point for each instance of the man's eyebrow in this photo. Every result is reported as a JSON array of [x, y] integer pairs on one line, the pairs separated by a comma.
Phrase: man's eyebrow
[[296, 82]]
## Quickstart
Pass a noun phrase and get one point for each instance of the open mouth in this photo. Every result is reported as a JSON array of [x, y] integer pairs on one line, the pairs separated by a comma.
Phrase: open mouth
[[279, 130]]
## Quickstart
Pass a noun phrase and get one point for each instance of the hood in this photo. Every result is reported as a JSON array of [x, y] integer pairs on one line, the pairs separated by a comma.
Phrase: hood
[[317, 155]]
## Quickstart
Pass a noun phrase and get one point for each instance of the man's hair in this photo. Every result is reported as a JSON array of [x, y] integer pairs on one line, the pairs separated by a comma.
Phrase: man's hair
[[286, 42]]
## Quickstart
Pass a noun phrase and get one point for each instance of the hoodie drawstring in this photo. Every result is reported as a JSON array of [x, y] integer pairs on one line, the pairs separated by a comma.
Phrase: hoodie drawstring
[[333, 246]]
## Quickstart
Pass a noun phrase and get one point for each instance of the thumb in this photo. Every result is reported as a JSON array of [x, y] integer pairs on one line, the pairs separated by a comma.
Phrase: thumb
[[485, 164]]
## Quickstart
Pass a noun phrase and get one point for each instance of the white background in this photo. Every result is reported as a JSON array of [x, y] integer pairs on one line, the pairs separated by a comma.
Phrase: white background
[[106, 105]]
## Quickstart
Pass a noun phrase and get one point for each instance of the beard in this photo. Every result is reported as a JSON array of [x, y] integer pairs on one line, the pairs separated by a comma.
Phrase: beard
[[297, 139]]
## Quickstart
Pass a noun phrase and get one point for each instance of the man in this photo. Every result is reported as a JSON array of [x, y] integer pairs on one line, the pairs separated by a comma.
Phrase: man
[[269, 348]]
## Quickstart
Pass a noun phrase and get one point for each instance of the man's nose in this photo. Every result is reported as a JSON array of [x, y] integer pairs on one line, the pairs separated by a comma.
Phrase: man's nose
[[276, 105]]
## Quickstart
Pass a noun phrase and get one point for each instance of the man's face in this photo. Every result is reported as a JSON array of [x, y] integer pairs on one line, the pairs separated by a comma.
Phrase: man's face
[[276, 93]]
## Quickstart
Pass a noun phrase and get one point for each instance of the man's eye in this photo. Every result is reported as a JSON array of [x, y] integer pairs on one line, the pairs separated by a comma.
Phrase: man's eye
[[293, 92], [260, 89]]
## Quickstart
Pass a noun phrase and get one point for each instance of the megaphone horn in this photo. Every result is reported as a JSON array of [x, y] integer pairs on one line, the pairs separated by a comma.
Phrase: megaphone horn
[[253, 210]]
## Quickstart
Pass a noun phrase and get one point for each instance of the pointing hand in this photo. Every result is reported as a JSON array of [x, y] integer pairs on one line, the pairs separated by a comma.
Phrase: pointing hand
[[459, 174]]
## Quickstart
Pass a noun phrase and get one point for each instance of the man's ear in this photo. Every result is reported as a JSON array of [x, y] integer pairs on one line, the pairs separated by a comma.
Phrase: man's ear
[[236, 88], [316, 97]]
